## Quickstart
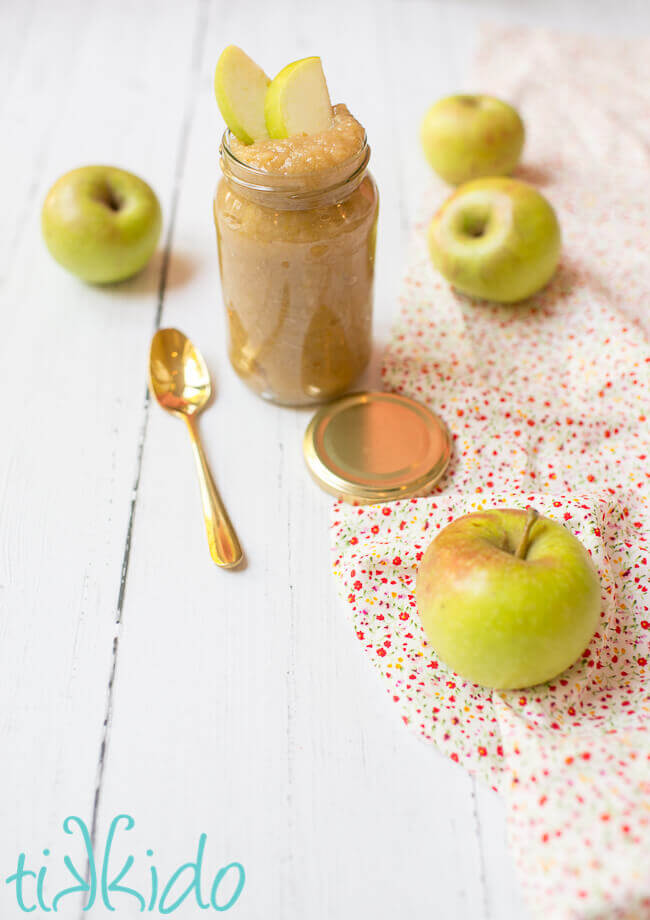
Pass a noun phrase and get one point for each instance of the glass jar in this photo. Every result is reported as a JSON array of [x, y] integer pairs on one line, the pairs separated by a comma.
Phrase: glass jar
[[296, 257]]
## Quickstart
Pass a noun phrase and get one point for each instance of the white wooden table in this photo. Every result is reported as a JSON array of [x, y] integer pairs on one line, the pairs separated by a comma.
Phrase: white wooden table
[[135, 677]]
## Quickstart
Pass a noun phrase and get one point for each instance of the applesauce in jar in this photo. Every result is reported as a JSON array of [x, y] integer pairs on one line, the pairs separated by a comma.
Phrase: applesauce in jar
[[296, 226]]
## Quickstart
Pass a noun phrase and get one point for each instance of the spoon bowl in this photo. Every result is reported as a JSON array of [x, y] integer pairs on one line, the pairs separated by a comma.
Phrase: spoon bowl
[[180, 381], [179, 376]]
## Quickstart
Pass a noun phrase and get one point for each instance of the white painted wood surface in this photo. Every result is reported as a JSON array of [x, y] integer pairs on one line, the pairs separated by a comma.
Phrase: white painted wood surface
[[135, 676]]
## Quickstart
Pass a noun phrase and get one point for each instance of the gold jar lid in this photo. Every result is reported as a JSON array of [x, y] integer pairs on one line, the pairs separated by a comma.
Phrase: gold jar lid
[[376, 447]]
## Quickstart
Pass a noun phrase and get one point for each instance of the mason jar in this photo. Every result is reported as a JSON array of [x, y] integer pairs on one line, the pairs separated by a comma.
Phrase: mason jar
[[296, 257]]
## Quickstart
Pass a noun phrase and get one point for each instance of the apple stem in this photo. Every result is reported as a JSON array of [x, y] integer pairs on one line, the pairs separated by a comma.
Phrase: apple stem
[[522, 549]]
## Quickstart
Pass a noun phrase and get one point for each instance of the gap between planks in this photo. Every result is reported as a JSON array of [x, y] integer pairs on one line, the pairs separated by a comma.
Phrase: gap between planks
[[198, 46]]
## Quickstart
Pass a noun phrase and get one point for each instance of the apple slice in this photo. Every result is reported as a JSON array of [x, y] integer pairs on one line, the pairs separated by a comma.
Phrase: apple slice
[[240, 87], [297, 100]]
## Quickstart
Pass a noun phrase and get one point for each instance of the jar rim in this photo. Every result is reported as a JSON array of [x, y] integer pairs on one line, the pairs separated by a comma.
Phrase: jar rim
[[347, 173]]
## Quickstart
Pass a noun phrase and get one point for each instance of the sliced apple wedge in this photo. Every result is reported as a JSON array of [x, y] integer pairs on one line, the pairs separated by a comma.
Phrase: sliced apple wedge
[[297, 100], [240, 87]]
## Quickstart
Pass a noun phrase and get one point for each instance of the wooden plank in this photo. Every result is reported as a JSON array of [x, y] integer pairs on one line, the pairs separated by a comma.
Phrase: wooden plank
[[243, 694], [87, 85]]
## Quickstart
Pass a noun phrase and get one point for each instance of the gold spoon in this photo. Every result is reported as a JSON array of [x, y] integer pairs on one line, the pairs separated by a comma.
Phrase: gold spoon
[[180, 381]]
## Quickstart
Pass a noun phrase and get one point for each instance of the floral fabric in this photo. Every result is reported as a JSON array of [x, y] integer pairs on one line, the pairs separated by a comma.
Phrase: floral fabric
[[548, 405]]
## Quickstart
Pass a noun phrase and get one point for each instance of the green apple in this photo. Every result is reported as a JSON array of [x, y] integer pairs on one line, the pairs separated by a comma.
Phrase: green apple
[[496, 239], [466, 137], [240, 87], [298, 101], [507, 598], [101, 223]]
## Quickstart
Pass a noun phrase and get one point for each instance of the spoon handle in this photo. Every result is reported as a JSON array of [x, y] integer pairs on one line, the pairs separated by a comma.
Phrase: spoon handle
[[222, 539]]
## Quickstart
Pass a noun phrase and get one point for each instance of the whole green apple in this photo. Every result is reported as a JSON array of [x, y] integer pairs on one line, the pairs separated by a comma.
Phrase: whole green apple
[[507, 598], [466, 137], [101, 223], [496, 239]]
